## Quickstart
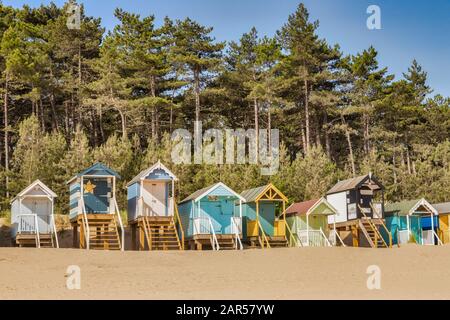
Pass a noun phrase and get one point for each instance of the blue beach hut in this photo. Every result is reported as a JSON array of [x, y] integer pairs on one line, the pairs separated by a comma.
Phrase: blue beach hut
[[413, 221], [94, 210], [211, 219]]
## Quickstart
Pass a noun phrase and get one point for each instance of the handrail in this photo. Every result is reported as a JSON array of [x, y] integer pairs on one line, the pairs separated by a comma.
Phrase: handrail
[[36, 225], [437, 237], [149, 238], [214, 241], [384, 226], [325, 237], [374, 228], [177, 218], [237, 234], [87, 235], [264, 237], [55, 231], [292, 239], [336, 234], [122, 230]]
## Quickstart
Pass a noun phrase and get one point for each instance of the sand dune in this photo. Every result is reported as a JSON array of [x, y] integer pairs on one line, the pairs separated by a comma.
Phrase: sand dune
[[303, 273]]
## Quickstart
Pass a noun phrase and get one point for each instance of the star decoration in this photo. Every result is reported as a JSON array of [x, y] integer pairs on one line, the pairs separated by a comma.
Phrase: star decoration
[[89, 187]]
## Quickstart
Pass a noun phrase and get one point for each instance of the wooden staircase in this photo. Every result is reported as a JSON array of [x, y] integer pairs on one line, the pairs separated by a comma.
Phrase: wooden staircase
[[31, 240], [160, 233], [103, 232], [372, 234]]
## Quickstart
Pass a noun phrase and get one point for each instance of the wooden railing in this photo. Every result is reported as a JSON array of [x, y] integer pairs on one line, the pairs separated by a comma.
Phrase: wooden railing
[[292, 239], [85, 222], [177, 222], [122, 229], [263, 240]]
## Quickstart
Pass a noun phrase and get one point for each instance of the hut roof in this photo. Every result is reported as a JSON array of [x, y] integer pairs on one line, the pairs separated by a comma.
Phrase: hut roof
[[252, 195], [144, 173], [95, 170], [442, 208], [197, 195], [353, 183], [409, 207], [307, 207], [34, 184]]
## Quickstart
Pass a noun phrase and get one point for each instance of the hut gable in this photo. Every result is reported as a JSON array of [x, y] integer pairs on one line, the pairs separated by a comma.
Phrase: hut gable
[[267, 192], [354, 183], [218, 189], [156, 172], [37, 188], [98, 169], [318, 206], [410, 207]]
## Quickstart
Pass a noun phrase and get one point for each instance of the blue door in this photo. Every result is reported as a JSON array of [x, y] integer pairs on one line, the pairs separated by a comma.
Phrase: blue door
[[96, 195]]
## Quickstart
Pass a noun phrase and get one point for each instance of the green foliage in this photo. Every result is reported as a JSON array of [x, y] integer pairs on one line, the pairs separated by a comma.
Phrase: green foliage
[[79, 96]]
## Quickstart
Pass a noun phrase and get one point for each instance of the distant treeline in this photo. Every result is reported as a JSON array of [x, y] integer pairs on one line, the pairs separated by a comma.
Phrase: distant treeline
[[74, 96]]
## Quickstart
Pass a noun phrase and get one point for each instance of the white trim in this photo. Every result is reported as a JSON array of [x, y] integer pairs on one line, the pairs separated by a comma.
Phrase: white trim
[[318, 203], [37, 182], [422, 202], [157, 165], [215, 186]]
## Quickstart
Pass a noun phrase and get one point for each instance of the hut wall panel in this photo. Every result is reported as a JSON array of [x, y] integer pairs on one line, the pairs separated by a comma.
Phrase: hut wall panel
[[339, 202], [132, 201]]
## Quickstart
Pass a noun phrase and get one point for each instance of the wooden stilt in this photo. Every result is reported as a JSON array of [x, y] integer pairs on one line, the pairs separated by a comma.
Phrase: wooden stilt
[[141, 239], [74, 235], [133, 237], [355, 236]]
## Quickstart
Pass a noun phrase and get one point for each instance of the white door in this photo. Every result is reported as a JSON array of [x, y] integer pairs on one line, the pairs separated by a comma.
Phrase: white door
[[157, 193], [41, 207]]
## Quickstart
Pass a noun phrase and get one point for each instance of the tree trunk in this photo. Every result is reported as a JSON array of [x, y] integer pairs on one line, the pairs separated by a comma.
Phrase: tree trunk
[[327, 136], [123, 121], [5, 110], [256, 111], [269, 128], [155, 117], [54, 117], [350, 147], [307, 126], [79, 82], [197, 95]]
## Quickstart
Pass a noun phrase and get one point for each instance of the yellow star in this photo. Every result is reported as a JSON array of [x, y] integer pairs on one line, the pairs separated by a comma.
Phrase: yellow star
[[89, 187]]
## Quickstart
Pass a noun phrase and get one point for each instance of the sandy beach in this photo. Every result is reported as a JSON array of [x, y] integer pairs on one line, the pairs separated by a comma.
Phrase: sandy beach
[[410, 272]]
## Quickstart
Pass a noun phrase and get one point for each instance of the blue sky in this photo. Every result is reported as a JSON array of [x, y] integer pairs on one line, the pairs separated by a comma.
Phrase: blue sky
[[410, 28]]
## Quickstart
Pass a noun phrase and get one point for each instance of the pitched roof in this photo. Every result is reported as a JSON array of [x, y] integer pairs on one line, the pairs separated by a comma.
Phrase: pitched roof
[[146, 172], [96, 166], [33, 185], [442, 208], [310, 206], [197, 195], [301, 207], [351, 183], [408, 207], [251, 195]]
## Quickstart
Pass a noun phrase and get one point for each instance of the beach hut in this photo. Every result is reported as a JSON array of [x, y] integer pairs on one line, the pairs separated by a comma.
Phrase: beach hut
[[443, 210], [152, 211], [210, 218], [308, 221], [413, 220], [32, 220], [359, 219], [94, 210], [264, 219]]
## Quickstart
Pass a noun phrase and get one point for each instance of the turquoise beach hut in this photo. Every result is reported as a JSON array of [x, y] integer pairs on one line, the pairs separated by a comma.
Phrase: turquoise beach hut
[[94, 210], [412, 221], [211, 219]]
